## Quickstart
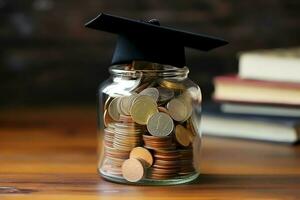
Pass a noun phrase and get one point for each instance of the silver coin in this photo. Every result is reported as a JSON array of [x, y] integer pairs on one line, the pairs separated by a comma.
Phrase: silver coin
[[152, 92], [160, 124], [178, 109]]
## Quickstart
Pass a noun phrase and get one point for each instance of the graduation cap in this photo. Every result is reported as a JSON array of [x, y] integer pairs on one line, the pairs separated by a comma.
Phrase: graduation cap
[[148, 41]]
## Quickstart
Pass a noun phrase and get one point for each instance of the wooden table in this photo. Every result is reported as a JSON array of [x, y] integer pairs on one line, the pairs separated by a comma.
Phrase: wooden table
[[51, 154]]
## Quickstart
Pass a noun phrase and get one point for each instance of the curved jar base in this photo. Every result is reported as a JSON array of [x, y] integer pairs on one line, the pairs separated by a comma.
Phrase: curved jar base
[[146, 181]]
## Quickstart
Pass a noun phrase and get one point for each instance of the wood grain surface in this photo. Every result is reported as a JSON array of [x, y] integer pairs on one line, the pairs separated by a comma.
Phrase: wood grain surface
[[51, 154]]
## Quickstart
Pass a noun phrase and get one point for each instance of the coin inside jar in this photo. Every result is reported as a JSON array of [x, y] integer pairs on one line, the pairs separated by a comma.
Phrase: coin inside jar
[[182, 136], [143, 154], [107, 118], [142, 109], [107, 102], [177, 109], [113, 109], [172, 85], [152, 92], [133, 170], [131, 100], [160, 124], [124, 105], [165, 94]]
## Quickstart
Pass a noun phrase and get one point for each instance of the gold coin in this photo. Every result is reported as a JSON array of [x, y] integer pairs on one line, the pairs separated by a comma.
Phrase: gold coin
[[133, 170], [142, 109], [142, 154], [107, 119], [107, 102], [152, 92], [120, 111], [191, 136], [160, 124], [182, 136], [190, 132], [126, 119], [172, 85], [125, 105], [143, 98], [187, 100], [177, 109], [113, 109], [131, 100]]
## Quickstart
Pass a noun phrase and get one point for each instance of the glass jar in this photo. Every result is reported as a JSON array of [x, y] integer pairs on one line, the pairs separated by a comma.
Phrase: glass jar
[[149, 117]]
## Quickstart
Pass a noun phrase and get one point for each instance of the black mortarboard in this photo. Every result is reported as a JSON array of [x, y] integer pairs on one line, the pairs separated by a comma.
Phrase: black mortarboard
[[148, 41]]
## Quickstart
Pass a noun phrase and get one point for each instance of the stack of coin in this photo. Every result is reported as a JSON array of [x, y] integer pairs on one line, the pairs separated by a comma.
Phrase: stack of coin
[[115, 153], [166, 164], [158, 143], [119, 139], [113, 160], [127, 136], [150, 133], [186, 162], [109, 134], [110, 169]]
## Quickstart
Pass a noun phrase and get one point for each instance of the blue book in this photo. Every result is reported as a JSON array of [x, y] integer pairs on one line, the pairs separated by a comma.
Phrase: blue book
[[248, 126]]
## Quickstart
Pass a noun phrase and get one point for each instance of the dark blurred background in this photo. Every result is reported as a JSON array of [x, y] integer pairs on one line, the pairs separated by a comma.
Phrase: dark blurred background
[[47, 57]]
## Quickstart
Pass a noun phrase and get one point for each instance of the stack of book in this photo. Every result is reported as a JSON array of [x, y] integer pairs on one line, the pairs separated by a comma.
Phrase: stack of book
[[262, 102]]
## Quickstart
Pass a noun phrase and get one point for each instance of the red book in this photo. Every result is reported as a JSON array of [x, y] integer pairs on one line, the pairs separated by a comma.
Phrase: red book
[[234, 89]]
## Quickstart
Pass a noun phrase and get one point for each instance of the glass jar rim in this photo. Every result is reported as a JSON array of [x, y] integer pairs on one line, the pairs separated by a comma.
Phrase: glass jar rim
[[167, 71]]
